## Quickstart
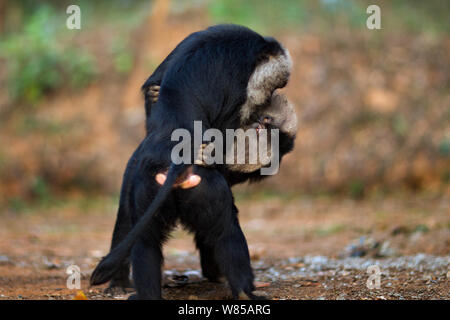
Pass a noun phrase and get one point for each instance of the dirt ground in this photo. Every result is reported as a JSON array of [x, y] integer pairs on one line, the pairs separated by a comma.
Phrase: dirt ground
[[301, 248]]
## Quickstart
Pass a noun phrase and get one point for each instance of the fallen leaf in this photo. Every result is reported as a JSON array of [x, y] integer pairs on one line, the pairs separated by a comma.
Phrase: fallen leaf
[[80, 296]]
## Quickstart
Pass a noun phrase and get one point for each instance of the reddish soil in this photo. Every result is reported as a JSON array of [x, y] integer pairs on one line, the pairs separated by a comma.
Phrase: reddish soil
[[299, 248]]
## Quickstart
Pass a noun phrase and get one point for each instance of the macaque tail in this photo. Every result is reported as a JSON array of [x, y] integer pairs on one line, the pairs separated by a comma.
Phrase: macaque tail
[[110, 264]]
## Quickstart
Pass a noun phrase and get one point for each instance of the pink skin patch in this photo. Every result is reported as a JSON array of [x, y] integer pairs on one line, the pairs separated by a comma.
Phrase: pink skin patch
[[187, 181]]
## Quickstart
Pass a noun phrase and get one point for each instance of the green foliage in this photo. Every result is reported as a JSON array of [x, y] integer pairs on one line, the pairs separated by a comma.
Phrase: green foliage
[[30, 124], [446, 177], [123, 62], [2, 159], [419, 16], [40, 196], [17, 205], [266, 15], [259, 14], [123, 58], [400, 125], [37, 62], [444, 148], [80, 67], [421, 228], [353, 12], [331, 230], [356, 189], [40, 189]]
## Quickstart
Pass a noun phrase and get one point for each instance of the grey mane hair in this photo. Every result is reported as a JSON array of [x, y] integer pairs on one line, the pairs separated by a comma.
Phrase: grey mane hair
[[266, 77]]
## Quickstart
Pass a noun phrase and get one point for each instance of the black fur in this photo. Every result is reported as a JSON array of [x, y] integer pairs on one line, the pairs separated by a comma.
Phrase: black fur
[[204, 78]]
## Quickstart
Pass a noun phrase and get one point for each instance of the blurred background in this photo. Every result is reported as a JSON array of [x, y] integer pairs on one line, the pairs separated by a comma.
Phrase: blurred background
[[374, 105], [372, 151]]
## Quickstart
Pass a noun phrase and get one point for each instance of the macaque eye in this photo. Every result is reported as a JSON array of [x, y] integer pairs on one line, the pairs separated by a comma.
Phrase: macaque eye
[[267, 119]]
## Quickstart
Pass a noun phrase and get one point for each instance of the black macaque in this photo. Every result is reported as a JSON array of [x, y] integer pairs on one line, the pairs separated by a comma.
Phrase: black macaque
[[220, 76]]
